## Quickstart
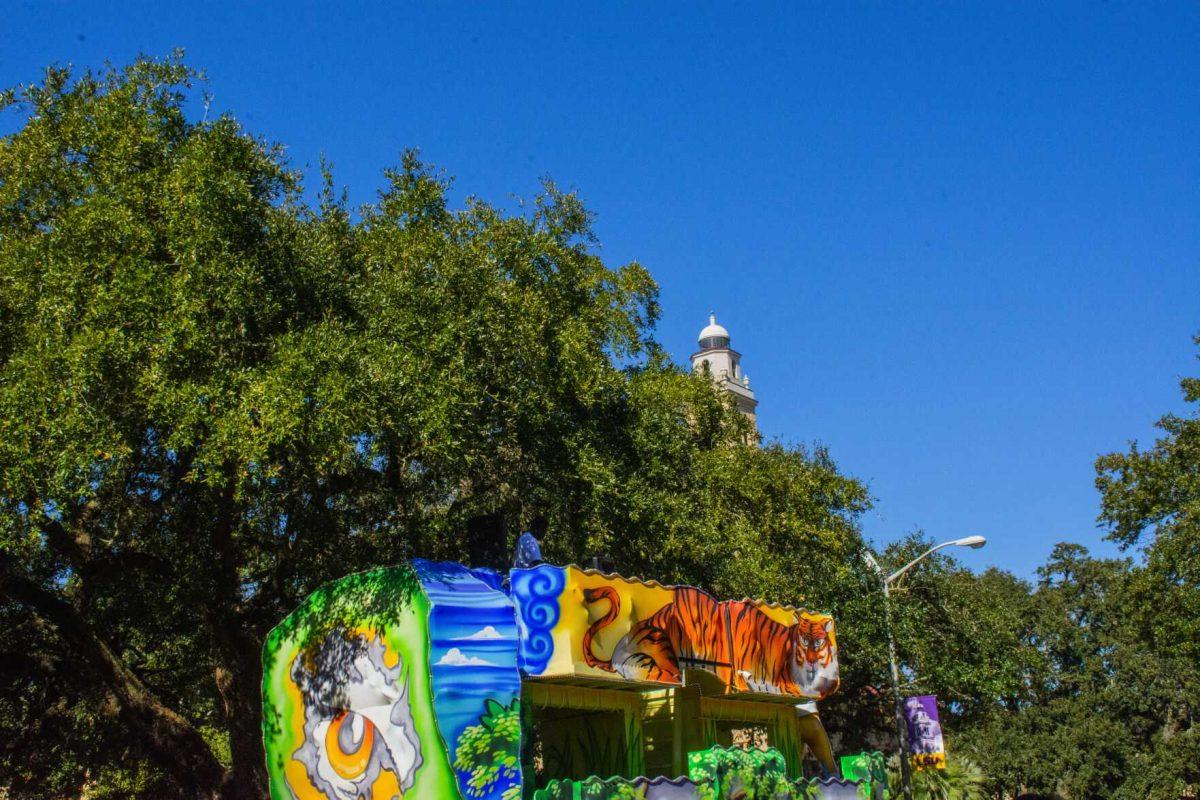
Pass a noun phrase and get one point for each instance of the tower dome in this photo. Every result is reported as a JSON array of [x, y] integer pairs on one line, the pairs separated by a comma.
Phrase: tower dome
[[713, 336]]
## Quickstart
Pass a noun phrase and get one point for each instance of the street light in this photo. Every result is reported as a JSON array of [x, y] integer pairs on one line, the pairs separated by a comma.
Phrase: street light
[[974, 542]]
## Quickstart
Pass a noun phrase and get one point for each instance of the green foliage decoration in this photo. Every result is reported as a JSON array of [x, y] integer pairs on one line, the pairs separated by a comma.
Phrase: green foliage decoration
[[490, 751], [732, 772]]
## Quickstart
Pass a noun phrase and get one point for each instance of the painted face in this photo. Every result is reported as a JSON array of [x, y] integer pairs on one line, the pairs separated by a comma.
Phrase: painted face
[[815, 656], [357, 720]]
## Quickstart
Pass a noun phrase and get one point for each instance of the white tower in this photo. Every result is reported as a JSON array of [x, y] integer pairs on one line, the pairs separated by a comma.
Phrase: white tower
[[724, 364]]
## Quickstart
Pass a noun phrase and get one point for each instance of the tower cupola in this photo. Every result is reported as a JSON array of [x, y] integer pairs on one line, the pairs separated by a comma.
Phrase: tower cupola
[[724, 364]]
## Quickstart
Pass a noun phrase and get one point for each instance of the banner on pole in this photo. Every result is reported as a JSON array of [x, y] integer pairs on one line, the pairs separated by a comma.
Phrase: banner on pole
[[925, 742]]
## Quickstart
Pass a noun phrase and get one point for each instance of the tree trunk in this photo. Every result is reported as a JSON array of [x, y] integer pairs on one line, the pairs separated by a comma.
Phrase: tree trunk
[[172, 743], [238, 670], [238, 676]]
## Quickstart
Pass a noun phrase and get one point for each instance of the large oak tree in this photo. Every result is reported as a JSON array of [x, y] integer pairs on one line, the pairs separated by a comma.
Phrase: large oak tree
[[215, 395]]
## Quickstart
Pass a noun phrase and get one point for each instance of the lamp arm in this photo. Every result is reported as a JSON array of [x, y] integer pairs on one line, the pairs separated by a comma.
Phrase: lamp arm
[[890, 578]]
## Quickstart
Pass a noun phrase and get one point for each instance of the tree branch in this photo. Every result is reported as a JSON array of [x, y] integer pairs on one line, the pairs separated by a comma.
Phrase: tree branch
[[173, 743]]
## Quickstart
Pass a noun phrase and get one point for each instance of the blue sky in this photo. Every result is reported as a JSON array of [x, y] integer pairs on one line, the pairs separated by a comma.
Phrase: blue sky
[[957, 244]]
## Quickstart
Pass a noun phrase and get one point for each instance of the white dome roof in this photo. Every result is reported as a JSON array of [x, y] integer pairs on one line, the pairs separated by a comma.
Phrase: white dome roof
[[713, 330]]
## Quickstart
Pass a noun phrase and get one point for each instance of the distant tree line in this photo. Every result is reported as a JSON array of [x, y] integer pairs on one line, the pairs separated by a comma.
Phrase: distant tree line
[[216, 394]]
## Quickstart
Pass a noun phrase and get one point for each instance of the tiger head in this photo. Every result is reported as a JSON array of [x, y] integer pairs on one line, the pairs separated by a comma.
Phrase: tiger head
[[816, 667], [357, 719]]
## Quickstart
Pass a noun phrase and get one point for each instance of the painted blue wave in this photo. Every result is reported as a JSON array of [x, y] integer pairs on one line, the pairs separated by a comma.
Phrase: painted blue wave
[[536, 593]]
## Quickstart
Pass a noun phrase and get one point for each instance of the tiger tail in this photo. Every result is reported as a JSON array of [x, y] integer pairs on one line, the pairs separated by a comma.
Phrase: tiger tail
[[593, 595]]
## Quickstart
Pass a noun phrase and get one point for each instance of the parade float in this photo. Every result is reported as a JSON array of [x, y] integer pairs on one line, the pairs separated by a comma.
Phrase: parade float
[[434, 681]]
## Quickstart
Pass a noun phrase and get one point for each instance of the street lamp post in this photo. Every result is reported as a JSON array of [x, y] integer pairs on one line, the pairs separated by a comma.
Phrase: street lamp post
[[887, 580]]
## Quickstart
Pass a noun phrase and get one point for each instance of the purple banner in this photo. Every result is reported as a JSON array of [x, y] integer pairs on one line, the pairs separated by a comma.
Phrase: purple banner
[[925, 732]]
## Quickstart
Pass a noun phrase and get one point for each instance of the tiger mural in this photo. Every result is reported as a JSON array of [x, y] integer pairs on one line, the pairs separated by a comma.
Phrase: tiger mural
[[735, 640]]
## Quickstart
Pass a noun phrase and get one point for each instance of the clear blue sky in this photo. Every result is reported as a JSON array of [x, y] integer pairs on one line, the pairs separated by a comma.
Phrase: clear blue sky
[[956, 244]]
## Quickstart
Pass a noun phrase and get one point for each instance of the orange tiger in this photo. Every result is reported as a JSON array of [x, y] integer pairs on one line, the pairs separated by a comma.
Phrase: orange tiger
[[736, 641]]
